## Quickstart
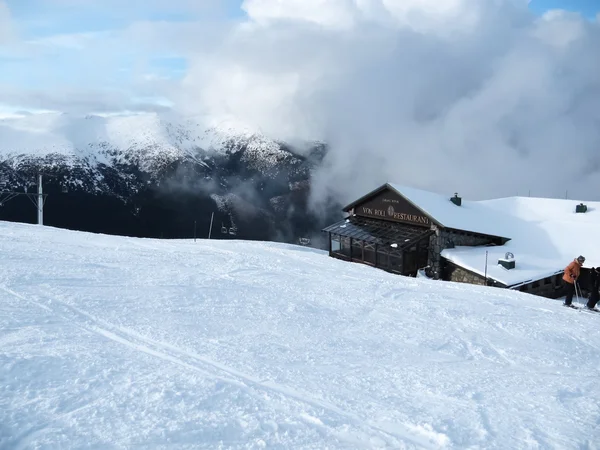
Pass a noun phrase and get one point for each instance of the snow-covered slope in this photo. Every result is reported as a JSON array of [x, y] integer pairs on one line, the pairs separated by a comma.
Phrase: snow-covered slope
[[112, 342]]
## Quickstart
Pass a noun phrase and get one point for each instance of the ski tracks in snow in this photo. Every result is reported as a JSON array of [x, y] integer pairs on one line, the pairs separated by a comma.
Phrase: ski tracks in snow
[[343, 425]]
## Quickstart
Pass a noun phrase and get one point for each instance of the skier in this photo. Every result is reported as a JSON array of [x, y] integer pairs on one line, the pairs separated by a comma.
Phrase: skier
[[570, 276], [594, 286]]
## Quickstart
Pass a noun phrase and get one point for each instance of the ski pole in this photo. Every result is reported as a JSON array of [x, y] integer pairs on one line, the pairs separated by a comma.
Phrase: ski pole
[[577, 291]]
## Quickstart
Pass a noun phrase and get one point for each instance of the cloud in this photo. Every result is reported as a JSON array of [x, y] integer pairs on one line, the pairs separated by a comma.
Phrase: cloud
[[104, 54], [344, 14], [103, 70], [78, 101], [7, 31], [479, 97]]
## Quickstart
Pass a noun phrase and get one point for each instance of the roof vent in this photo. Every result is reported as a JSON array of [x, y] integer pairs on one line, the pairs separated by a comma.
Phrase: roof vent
[[456, 200], [508, 262], [581, 208]]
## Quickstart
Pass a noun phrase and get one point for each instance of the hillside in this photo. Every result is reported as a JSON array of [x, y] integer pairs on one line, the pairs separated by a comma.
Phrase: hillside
[[115, 342]]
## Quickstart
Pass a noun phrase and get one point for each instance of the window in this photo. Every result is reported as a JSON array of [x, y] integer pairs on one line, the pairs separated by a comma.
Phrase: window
[[357, 249], [558, 280], [395, 263], [369, 253], [383, 259], [345, 242], [336, 245], [340, 245]]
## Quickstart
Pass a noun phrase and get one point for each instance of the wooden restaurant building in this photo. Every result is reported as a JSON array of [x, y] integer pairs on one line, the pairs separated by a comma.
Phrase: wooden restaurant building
[[404, 230]]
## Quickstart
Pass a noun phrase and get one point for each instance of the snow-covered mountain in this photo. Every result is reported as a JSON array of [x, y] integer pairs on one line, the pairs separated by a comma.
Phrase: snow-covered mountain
[[62, 133], [147, 140], [115, 342], [136, 157]]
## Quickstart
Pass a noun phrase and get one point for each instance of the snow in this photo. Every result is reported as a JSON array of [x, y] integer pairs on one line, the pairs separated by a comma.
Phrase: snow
[[114, 342], [147, 139], [471, 216], [546, 235]]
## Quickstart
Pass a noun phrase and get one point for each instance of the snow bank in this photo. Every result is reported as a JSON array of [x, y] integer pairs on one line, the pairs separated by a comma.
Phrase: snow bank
[[113, 342]]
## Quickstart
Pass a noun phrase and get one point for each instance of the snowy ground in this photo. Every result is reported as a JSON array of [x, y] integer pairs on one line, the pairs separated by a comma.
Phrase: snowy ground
[[109, 342]]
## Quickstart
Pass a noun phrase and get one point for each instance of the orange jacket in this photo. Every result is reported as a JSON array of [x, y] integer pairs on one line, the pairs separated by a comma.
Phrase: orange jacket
[[572, 272]]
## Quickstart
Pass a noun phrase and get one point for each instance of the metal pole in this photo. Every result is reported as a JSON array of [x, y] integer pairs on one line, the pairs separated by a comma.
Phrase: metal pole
[[486, 258], [211, 222], [194, 231], [40, 202]]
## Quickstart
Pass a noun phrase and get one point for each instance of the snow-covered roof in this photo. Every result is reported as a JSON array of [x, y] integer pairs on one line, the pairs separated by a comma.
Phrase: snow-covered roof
[[471, 216], [546, 235]]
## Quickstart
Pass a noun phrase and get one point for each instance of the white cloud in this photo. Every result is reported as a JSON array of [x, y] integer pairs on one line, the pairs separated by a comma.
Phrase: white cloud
[[73, 100], [419, 15], [7, 31], [475, 96], [102, 70], [470, 95]]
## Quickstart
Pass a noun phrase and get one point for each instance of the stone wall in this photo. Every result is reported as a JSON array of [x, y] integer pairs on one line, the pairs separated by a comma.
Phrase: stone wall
[[435, 250], [443, 239], [460, 275], [550, 287]]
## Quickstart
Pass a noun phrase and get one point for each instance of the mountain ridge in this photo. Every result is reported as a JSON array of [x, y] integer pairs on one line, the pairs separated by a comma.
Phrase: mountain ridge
[[134, 157]]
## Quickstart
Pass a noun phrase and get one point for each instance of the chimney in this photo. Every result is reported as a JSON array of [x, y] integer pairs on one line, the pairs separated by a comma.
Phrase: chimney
[[456, 200], [508, 262], [581, 208]]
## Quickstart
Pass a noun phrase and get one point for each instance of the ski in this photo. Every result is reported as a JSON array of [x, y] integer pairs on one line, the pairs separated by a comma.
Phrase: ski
[[583, 308]]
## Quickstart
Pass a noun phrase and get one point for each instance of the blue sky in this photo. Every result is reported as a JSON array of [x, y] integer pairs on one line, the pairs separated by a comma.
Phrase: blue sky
[[46, 19], [116, 45], [589, 8]]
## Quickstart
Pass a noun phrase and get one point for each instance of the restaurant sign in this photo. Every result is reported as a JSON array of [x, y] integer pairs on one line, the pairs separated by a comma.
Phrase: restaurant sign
[[390, 206]]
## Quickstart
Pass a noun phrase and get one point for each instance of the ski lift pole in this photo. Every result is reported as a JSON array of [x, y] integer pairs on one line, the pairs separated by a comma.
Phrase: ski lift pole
[[211, 222], [194, 231], [40, 202], [486, 262]]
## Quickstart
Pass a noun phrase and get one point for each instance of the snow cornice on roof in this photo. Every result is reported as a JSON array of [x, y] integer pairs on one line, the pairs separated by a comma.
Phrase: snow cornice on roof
[[469, 216]]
